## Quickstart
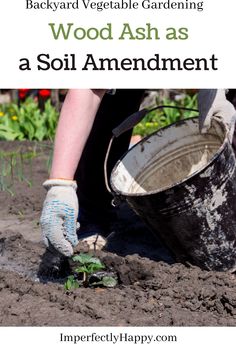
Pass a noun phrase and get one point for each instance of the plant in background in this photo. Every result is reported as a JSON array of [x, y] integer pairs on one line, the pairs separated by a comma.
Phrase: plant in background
[[87, 267], [18, 164], [27, 122], [161, 118], [13, 164]]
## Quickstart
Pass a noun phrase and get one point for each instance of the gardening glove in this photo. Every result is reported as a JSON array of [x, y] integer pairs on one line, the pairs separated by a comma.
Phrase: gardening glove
[[59, 216], [213, 103]]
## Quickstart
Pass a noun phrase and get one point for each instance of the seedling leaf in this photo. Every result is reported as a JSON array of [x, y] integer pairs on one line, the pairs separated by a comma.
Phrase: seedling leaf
[[88, 266], [109, 282], [71, 283], [84, 258], [81, 269], [94, 267]]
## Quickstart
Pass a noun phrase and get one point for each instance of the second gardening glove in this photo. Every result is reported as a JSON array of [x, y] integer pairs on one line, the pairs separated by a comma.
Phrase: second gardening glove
[[213, 103], [59, 216]]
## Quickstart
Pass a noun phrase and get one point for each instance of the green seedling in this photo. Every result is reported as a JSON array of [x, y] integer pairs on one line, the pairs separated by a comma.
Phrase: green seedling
[[18, 164], [71, 283], [13, 164], [88, 265], [108, 282]]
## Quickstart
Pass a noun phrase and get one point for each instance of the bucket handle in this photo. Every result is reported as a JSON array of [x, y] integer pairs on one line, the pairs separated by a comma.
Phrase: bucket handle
[[128, 124]]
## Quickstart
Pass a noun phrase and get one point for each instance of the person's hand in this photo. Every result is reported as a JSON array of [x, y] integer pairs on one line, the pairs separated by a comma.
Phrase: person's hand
[[213, 103], [59, 215]]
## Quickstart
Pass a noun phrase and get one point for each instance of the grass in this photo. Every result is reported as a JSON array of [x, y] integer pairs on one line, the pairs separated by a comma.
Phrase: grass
[[18, 165]]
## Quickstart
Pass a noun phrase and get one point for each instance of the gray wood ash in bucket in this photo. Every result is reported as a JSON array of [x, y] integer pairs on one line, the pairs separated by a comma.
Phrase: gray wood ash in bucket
[[182, 184]]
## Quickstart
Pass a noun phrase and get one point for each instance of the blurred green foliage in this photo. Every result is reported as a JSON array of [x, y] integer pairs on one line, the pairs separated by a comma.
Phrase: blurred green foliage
[[27, 122], [160, 118]]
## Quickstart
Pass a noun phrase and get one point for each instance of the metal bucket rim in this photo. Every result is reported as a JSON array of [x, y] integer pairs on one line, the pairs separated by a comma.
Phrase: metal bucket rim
[[143, 194]]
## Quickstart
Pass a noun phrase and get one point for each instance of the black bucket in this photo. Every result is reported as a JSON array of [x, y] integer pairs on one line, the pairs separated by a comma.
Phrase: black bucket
[[182, 184]]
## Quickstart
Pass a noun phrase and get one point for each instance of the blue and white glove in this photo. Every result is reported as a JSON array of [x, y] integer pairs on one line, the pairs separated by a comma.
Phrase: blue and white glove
[[213, 103], [59, 215]]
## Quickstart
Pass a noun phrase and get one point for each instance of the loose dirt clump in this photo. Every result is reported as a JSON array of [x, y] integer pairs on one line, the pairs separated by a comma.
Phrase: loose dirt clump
[[152, 289]]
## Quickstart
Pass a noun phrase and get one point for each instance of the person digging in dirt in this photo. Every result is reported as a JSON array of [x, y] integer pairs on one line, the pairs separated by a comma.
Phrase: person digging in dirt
[[84, 130]]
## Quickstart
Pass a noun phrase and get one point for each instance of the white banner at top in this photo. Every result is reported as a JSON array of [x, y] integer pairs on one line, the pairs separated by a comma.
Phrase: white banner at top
[[121, 44]]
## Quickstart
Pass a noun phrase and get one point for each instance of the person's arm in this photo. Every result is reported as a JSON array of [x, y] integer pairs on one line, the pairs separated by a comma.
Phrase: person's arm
[[60, 210], [75, 123]]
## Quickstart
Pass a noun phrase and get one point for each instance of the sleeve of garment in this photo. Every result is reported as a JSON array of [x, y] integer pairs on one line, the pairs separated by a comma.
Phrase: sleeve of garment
[[111, 92]]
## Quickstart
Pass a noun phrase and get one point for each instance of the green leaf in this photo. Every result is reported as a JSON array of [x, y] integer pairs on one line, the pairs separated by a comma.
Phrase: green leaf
[[8, 133], [96, 261], [68, 284], [109, 282], [32, 124], [71, 283], [82, 269], [85, 258], [95, 267]]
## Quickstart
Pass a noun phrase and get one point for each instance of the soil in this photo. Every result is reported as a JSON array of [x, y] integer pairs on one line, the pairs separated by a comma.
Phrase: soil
[[153, 290]]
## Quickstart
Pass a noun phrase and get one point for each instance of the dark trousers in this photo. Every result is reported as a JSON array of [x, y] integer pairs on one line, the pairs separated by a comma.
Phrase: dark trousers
[[93, 196]]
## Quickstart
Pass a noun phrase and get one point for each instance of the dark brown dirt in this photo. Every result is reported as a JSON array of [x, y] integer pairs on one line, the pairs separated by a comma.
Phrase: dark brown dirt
[[152, 290]]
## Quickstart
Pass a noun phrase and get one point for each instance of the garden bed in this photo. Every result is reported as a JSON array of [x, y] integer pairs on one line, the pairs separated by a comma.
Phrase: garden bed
[[152, 289]]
